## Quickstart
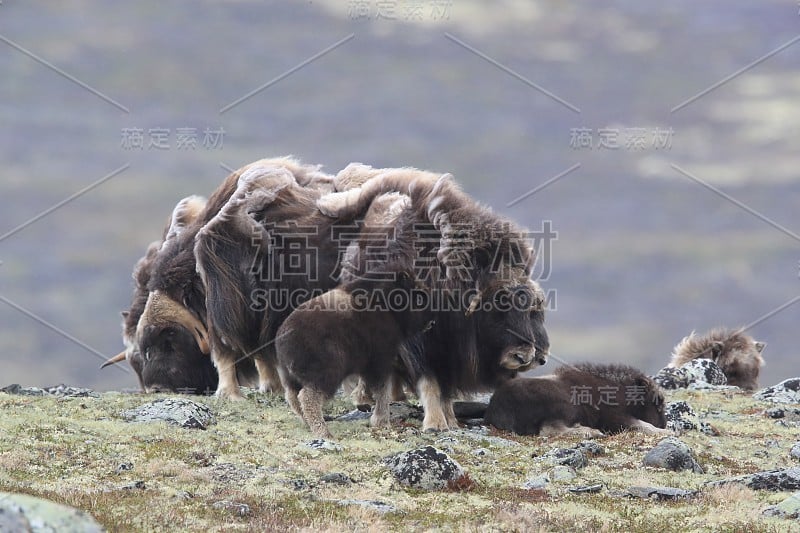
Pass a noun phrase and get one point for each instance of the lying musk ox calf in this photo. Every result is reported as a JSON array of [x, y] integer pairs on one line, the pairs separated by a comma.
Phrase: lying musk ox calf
[[355, 329], [737, 354], [587, 399]]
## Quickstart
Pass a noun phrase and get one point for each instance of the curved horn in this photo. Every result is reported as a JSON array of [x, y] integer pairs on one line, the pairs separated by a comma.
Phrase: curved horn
[[161, 309], [121, 356], [474, 303]]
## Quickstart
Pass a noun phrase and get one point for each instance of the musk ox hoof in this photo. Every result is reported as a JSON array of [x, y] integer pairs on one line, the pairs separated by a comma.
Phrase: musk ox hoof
[[382, 422], [229, 394]]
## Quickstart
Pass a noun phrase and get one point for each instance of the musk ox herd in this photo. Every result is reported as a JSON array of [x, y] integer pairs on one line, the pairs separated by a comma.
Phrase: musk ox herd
[[297, 282]]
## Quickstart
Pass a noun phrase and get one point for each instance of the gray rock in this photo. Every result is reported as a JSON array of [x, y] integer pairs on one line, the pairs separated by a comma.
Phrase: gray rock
[[563, 473], [481, 452], [337, 478], [136, 485], [61, 391], [176, 411], [590, 447], [124, 467], [795, 451], [788, 508], [566, 456], [353, 416], [323, 445], [704, 371], [586, 489], [479, 437], [239, 509], [20, 512], [402, 411], [424, 468], [672, 454], [661, 493], [787, 391], [680, 416], [671, 377], [539, 481], [374, 505], [774, 480]]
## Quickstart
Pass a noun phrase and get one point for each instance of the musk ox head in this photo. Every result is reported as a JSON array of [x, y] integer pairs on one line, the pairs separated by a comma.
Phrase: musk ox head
[[738, 355]]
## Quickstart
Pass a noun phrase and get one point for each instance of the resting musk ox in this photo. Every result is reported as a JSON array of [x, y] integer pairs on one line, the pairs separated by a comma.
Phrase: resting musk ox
[[737, 354], [586, 399], [464, 254], [268, 250], [174, 297]]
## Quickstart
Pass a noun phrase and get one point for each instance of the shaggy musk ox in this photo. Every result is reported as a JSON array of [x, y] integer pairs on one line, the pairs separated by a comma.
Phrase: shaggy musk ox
[[172, 322], [268, 250], [340, 333], [587, 400], [465, 254], [737, 354]]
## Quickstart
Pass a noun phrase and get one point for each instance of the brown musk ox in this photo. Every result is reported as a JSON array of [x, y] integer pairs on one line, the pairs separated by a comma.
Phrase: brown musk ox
[[268, 250], [354, 329], [174, 309], [489, 316], [586, 399], [738, 355]]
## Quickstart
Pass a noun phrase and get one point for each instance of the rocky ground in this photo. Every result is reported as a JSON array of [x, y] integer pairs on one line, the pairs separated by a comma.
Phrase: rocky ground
[[159, 462]]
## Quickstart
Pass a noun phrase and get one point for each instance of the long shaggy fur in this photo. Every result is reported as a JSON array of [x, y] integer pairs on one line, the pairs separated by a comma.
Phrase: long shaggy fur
[[737, 354], [579, 399]]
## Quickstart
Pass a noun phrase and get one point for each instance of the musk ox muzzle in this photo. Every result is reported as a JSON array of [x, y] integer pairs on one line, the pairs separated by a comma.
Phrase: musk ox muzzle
[[518, 357]]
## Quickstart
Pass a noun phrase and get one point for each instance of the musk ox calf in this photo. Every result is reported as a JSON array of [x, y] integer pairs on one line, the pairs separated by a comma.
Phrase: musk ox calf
[[737, 354], [587, 399], [355, 329]]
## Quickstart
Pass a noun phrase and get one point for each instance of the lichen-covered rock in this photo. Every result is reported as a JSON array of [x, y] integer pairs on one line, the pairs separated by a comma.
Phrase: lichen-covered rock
[[239, 509], [176, 411], [680, 416], [661, 493], [590, 447], [787, 391], [563, 473], [795, 451], [20, 512], [671, 377], [61, 391], [774, 480], [705, 371], [373, 505], [424, 468], [538, 481], [566, 456], [337, 478], [673, 454], [323, 445], [788, 508]]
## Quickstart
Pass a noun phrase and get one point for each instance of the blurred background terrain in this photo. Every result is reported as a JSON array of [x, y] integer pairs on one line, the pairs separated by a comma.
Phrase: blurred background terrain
[[112, 112]]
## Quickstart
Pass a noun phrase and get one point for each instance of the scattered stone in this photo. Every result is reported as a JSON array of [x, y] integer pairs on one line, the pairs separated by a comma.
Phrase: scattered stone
[[447, 443], [176, 411], [481, 452], [672, 454], [788, 508], [323, 445], [661, 493], [480, 437], [136, 485], [353, 416], [566, 456], [124, 467], [375, 505], [787, 391], [590, 447], [704, 371], [402, 411], [470, 410], [231, 473], [239, 509], [708, 429], [775, 412], [795, 451], [680, 416], [297, 483], [474, 423], [20, 512], [60, 391], [539, 481], [563, 473], [424, 468], [337, 478], [774, 480], [671, 377], [586, 489]]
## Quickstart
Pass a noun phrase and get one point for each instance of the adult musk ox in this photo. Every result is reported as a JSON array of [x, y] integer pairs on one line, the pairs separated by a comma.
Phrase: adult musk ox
[[172, 323], [489, 317], [586, 399], [268, 250], [737, 354]]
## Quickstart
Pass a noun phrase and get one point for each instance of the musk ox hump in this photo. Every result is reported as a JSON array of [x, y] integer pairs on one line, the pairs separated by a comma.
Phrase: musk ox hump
[[185, 213]]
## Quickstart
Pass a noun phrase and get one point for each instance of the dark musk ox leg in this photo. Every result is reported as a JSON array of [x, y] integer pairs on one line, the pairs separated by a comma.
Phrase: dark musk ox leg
[[449, 414], [430, 396], [311, 402], [398, 392], [290, 393]]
